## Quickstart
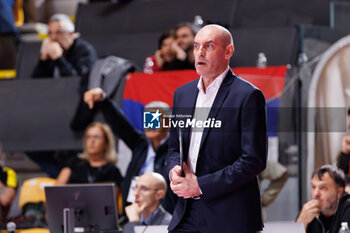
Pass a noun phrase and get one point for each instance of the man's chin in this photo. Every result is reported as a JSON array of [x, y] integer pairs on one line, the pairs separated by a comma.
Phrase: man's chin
[[138, 203], [328, 211], [199, 70]]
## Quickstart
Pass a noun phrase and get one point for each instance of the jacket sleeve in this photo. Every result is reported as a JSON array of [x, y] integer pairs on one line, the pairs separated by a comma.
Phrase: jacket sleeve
[[83, 116], [252, 159], [43, 69], [120, 124], [173, 158]]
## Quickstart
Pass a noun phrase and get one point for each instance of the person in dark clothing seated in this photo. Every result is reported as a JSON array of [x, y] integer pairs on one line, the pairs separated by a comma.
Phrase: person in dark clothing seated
[[63, 54], [184, 37], [97, 162], [330, 204], [149, 150], [343, 160], [169, 55]]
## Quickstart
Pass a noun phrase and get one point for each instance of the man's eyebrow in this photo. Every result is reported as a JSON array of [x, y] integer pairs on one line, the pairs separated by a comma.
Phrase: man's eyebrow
[[206, 42], [320, 183]]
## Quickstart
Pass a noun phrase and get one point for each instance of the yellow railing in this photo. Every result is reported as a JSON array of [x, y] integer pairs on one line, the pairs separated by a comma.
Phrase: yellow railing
[[6, 74]]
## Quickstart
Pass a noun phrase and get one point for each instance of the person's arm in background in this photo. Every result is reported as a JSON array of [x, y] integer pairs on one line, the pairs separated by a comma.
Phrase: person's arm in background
[[66, 172], [45, 66], [344, 157], [180, 53], [7, 194], [277, 174], [310, 210], [8, 190], [64, 175], [114, 117]]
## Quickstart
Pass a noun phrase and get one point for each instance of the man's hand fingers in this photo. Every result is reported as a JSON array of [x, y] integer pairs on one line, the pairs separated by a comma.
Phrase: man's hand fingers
[[175, 172], [175, 188], [178, 189], [185, 168], [143, 206], [88, 100], [177, 179], [91, 104], [92, 96]]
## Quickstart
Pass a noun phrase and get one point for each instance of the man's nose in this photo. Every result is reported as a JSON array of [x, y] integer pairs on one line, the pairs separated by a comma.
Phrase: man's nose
[[317, 193], [136, 192], [201, 51], [53, 37]]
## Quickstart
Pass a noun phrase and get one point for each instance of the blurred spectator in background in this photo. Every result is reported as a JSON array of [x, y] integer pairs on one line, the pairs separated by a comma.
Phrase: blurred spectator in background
[[169, 56], [343, 161], [149, 150], [63, 54], [277, 174], [18, 12], [145, 210], [184, 34], [8, 35], [330, 205], [97, 162], [8, 189], [30, 11]]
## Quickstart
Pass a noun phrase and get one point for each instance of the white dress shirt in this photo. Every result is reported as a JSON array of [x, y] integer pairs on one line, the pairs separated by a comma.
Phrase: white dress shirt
[[204, 103]]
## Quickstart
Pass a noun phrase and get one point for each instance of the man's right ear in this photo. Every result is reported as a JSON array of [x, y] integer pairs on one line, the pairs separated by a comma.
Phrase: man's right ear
[[160, 194], [229, 51]]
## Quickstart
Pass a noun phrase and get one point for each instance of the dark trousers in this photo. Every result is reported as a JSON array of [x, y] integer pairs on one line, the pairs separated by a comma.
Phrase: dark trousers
[[193, 221]]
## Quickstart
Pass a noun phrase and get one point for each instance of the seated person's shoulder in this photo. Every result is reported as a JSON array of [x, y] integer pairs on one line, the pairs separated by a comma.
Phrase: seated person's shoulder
[[113, 173], [167, 218], [9, 178], [73, 162], [346, 199], [80, 43]]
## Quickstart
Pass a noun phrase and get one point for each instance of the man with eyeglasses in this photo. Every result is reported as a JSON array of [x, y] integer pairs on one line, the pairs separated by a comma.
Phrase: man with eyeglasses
[[63, 54], [149, 149], [146, 210]]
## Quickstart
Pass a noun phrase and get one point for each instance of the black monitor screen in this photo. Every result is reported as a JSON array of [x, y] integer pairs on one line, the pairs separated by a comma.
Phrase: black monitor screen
[[93, 207]]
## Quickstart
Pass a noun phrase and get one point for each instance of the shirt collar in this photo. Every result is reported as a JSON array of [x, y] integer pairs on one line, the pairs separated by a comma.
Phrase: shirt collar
[[149, 220], [215, 84]]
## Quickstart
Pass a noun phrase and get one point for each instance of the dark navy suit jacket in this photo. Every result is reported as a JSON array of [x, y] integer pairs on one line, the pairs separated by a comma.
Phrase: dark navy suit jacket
[[230, 157]]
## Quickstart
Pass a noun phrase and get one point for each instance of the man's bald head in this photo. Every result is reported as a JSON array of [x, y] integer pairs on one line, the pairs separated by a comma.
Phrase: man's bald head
[[156, 180], [150, 189], [213, 48], [223, 34]]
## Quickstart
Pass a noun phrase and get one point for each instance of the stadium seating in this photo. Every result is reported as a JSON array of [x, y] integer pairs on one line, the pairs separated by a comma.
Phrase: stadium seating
[[134, 47], [27, 58], [105, 18], [280, 45]]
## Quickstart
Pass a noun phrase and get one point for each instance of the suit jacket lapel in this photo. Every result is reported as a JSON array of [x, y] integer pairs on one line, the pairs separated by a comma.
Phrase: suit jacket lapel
[[186, 133], [219, 99]]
